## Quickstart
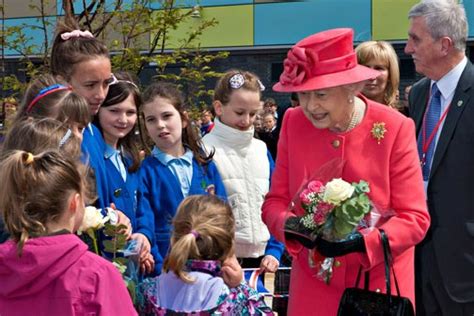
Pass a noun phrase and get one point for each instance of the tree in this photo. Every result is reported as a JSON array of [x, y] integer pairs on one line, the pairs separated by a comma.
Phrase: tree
[[136, 34]]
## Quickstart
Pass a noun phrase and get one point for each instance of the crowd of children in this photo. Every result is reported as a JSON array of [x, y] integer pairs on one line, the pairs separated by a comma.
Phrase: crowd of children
[[191, 198]]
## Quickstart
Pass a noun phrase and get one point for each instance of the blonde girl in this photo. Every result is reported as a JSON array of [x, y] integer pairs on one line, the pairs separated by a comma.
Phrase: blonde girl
[[245, 166], [201, 273], [42, 200]]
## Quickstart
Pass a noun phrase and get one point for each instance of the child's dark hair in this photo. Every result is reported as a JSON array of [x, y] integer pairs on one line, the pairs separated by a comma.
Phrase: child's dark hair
[[35, 190], [47, 96], [119, 92], [37, 135], [67, 53], [223, 88], [190, 137], [204, 228]]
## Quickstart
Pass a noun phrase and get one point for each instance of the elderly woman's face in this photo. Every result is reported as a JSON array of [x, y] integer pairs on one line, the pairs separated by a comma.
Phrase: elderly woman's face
[[375, 89], [327, 108]]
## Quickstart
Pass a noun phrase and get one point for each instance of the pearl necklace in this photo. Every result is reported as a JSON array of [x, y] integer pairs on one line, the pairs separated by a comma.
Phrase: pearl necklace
[[357, 114]]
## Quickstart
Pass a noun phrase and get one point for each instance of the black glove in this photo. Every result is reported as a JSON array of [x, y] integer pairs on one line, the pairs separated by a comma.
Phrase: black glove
[[355, 243], [295, 230]]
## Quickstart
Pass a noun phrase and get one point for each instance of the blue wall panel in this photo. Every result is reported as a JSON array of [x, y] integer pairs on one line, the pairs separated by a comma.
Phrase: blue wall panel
[[287, 23], [34, 35], [469, 6]]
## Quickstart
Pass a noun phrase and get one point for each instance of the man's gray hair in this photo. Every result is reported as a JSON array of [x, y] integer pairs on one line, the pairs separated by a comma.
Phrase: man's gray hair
[[443, 18]]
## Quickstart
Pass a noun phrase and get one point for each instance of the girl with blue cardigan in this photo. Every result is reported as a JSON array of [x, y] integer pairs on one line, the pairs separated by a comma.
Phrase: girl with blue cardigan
[[116, 120], [177, 166]]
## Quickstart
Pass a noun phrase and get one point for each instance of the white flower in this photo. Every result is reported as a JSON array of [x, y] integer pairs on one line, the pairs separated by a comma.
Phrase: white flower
[[93, 218], [337, 191]]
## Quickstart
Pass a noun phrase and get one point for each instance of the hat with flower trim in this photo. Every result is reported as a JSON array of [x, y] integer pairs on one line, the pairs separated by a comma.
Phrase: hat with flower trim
[[323, 60]]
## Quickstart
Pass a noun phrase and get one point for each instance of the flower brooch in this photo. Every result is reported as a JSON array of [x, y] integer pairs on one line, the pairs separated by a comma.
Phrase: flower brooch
[[378, 131]]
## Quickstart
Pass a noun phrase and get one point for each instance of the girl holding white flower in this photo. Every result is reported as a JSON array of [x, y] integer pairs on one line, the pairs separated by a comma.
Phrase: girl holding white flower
[[42, 200], [117, 120], [375, 143]]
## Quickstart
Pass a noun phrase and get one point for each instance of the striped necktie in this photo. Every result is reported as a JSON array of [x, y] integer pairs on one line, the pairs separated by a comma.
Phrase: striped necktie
[[431, 119]]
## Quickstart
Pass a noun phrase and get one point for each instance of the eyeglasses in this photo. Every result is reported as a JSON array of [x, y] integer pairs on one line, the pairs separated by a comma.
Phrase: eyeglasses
[[237, 81]]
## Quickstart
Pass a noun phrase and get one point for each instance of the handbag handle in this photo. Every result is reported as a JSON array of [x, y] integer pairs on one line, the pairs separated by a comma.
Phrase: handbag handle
[[387, 254]]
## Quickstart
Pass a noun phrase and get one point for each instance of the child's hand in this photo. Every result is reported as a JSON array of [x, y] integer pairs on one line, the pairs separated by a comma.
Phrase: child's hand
[[145, 248], [147, 265], [232, 272], [269, 264], [123, 219]]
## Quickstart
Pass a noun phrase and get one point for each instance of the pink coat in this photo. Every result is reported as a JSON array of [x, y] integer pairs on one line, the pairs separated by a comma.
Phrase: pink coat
[[393, 172], [57, 275]]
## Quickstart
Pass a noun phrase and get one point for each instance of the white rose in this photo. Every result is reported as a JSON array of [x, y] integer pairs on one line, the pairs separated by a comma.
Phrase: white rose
[[337, 190], [93, 218]]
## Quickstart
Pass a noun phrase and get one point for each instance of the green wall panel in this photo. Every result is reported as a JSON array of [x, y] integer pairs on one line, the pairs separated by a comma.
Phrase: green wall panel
[[235, 27], [390, 19]]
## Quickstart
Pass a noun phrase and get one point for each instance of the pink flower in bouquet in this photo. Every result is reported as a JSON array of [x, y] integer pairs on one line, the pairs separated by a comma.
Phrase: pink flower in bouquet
[[325, 207], [319, 218], [304, 197], [316, 186]]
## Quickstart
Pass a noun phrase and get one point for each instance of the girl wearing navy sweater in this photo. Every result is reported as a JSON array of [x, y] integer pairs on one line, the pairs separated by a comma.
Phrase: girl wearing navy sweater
[[116, 120], [177, 166]]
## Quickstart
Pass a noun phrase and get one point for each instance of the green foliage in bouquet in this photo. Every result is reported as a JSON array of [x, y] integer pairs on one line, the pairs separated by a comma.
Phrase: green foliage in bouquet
[[350, 213], [115, 245]]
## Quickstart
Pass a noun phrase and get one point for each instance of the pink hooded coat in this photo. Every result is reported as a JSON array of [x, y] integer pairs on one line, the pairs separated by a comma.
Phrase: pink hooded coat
[[57, 275]]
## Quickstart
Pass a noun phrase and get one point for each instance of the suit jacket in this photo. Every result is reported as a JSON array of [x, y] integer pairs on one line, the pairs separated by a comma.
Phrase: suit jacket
[[450, 192]]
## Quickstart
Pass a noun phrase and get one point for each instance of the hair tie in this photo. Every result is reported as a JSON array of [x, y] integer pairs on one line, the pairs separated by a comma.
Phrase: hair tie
[[237, 81], [76, 33], [65, 138], [195, 234], [44, 92], [29, 158]]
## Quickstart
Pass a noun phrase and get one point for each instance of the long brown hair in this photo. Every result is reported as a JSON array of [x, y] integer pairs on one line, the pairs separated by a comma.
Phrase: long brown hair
[[35, 191], [204, 228], [190, 137], [119, 92]]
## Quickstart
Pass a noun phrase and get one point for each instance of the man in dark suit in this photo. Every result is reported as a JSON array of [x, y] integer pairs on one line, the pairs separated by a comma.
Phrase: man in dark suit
[[445, 259]]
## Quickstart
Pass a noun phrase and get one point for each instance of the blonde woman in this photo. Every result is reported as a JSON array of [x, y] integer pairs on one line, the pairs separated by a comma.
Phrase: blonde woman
[[381, 56]]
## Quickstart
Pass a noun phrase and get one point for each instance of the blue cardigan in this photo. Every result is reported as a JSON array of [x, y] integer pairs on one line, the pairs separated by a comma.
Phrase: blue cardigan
[[125, 197], [93, 148], [161, 195]]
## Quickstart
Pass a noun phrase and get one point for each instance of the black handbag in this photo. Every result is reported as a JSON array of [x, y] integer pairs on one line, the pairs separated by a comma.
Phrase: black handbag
[[362, 302]]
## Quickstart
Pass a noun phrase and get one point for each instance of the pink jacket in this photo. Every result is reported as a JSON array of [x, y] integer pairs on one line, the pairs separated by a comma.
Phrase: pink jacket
[[57, 275], [393, 172]]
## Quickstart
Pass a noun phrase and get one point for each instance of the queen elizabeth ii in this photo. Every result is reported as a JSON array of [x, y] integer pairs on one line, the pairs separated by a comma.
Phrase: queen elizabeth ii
[[376, 144]]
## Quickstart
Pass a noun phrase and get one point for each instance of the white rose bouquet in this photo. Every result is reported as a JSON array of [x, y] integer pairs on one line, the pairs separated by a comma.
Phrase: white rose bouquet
[[92, 221]]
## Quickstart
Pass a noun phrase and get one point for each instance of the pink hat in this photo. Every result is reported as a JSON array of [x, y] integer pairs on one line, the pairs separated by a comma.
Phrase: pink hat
[[322, 60]]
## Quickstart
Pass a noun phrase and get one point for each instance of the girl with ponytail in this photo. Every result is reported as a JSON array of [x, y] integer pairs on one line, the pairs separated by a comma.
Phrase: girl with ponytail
[[44, 265], [201, 274]]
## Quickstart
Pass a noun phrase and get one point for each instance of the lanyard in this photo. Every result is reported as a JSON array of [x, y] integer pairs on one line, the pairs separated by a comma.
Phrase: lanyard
[[425, 144]]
